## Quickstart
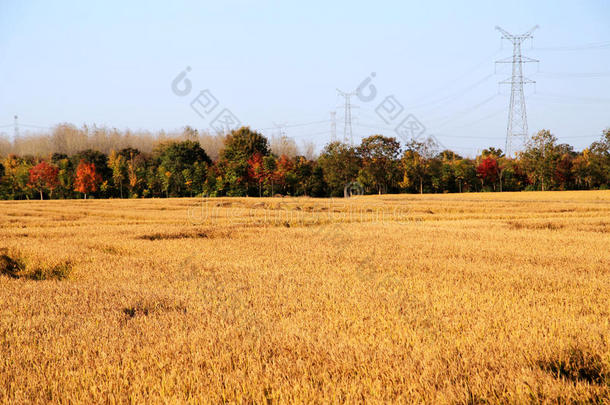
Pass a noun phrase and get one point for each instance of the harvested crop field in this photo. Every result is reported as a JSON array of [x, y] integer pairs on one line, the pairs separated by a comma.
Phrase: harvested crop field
[[469, 298]]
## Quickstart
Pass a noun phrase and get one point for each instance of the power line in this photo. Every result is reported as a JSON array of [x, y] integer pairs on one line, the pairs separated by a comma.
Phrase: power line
[[453, 96], [486, 117], [457, 80], [465, 111], [578, 136], [469, 137], [281, 128], [584, 47], [306, 124], [560, 75], [295, 125], [35, 126], [311, 134], [372, 126], [571, 99]]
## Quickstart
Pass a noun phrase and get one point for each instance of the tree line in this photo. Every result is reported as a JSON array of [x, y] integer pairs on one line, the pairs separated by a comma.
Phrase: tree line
[[246, 165]]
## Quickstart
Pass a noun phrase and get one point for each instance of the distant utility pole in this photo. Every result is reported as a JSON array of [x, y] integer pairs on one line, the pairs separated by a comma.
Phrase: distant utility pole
[[333, 126], [16, 129], [347, 129], [281, 129], [517, 116]]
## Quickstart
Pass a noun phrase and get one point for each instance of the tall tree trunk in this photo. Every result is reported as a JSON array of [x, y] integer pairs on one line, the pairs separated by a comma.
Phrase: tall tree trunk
[[40, 195], [501, 173], [421, 185]]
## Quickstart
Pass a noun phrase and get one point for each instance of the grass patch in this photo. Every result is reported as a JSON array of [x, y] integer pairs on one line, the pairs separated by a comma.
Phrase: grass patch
[[59, 271]]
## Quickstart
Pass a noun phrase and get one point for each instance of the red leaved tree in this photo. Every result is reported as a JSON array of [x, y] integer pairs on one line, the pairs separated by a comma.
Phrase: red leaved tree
[[488, 170], [43, 177], [87, 178]]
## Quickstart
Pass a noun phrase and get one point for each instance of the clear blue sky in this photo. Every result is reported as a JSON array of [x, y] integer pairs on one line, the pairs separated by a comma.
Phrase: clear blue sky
[[112, 63]]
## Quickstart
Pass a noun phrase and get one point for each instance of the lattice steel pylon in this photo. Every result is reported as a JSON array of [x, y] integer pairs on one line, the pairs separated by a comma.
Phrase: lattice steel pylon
[[16, 128], [333, 126], [348, 136], [517, 115]]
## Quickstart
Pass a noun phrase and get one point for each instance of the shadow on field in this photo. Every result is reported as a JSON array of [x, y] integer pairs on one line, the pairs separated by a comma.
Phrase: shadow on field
[[578, 364], [154, 305], [16, 265], [188, 234]]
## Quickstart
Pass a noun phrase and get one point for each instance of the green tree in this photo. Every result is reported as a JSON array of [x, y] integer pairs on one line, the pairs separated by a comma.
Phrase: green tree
[[17, 176], [318, 187], [465, 173], [379, 160], [239, 146], [514, 177], [443, 172], [540, 158], [305, 180], [136, 170], [118, 164], [269, 166], [65, 177], [3, 192], [175, 159], [415, 164], [599, 161], [340, 164], [242, 143]]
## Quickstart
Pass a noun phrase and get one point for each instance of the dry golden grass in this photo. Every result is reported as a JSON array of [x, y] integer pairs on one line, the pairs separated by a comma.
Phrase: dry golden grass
[[468, 298]]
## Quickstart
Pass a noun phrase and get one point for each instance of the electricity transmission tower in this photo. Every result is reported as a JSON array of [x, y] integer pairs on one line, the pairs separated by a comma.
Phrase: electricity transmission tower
[[347, 128], [281, 129], [517, 116], [333, 126], [16, 129]]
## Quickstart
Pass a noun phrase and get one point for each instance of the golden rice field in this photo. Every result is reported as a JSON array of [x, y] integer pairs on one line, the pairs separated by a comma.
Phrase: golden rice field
[[471, 298]]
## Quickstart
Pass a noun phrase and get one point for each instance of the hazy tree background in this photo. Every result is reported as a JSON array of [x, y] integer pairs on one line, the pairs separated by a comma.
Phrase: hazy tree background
[[69, 139]]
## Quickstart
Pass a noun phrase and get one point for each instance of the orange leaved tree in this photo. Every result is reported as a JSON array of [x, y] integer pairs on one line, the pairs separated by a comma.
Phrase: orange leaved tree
[[256, 171], [87, 178]]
